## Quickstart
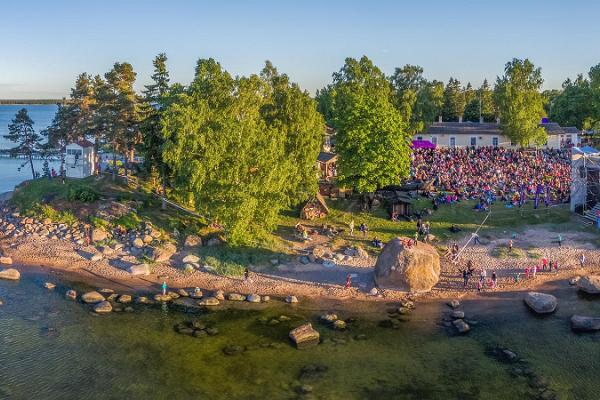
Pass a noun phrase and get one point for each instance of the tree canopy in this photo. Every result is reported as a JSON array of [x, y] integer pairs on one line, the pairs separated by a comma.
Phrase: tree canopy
[[520, 103], [21, 132]]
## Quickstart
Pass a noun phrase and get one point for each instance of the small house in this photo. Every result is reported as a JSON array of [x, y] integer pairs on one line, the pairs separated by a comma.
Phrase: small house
[[80, 159]]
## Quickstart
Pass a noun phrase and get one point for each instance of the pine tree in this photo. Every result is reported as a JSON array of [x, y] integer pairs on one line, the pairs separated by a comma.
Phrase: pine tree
[[21, 132], [454, 101]]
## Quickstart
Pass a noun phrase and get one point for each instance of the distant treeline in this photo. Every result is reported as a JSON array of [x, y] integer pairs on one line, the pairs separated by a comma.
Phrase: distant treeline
[[32, 101]]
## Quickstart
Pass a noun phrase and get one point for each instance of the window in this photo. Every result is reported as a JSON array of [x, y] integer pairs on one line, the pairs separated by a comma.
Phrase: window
[[473, 141], [434, 140], [74, 152], [419, 137], [495, 142], [452, 141]]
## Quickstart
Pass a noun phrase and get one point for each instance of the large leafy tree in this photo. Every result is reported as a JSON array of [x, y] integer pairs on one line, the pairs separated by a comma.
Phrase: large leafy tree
[[21, 132], [430, 102], [520, 103], [574, 105], [371, 135], [454, 100], [294, 114], [407, 82], [231, 143]]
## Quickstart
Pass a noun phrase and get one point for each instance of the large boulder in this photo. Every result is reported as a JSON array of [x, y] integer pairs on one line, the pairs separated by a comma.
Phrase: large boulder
[[585, 324], [541, 303], [10, 274], [305, 336], [164, 252], [589, 284], [92, 297], [103, 307], [411, 269], [139, 269], [98, 235]]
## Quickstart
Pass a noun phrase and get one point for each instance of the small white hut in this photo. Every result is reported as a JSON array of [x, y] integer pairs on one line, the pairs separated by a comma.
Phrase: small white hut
[[80, 159]]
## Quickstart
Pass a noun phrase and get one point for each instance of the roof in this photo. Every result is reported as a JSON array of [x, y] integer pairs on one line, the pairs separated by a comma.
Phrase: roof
[[585, 150], [84, 143], [488, 128], [326, 157]]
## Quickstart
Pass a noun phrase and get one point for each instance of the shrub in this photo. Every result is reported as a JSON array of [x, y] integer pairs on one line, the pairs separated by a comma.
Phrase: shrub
[[83, 194], [128, 221], [47, 211], [99, 222]]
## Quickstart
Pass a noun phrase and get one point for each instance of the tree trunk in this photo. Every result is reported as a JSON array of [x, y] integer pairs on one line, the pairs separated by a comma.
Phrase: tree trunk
[[114, 169], [31, 164]]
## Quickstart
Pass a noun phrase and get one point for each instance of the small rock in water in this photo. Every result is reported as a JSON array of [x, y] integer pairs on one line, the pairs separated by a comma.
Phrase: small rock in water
[[573, 281], [541, 303], [124, 299], [141, 300], [339, 325], [582, 323], [103, 307], [219, 295], [457, 314], [162, 297], [49, 285], [329, 317], [183, 293], [235, 297], [291, 299], [253, 298], [10, 274], [6, 260], [208, 301], [454, 303], [92, 297], [106, 291], [304, 336], [266, 299], [461, 326], [71, 294]]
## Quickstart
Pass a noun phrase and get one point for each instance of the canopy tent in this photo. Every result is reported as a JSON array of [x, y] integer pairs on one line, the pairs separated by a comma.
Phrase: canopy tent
[[422, 144], [587, 150]]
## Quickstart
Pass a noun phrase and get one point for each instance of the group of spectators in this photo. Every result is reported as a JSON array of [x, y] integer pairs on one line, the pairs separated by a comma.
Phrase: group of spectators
[[511, 175]]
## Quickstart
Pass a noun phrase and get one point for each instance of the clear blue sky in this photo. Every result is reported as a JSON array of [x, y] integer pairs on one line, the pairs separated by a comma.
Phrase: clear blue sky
[[45, 44]]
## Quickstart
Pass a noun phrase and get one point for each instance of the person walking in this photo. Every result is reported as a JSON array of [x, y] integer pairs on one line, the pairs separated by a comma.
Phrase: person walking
[[479, 286], [351, 226], [510, 245], [533, 271], [560, 240], [246, 274], [526, 272], [494, 279], [544, 263], [582, 260], [465, 275], [482, 275], [348, 281], [164, 288]]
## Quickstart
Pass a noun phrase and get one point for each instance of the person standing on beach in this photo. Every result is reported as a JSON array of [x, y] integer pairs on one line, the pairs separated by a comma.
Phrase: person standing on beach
[[479, 286], [351, 226], [246, 274], [164, 288], [494, 279], [533, 271], [559, 240], [465, 275], [482, 275], [544, 263], [526, 272], [582, 260], [348, 281], [510, 245]]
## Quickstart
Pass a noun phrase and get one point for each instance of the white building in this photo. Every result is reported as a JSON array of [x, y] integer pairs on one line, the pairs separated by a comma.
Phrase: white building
[[80, 159], [478, 134]]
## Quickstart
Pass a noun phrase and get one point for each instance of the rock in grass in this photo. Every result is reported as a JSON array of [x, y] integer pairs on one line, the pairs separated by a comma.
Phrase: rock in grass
[[253, 298], [541, 303], [339, 325], [10, 274], [329, 317], [589, 284], [92, 297], [291, 299], [236, 297], [103, 307], [582, 323], [305, 336]]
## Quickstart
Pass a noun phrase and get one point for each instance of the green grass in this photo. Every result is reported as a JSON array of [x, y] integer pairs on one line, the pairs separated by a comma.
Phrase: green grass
[[503, 253]]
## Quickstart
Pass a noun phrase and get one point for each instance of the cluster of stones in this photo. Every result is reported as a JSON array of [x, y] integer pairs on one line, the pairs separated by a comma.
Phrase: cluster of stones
[[399, 315], [333, 321], [196, 298], [456, 318], [328, 257], [13, 225], [196, 328]]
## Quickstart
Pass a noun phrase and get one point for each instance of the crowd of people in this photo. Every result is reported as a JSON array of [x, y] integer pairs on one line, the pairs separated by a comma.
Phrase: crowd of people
[[495, 173]]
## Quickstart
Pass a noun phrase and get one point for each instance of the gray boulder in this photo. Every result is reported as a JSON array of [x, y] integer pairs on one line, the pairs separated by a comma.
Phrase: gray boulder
[[164, 252], [541, 303], [103, 307], [71, 294], [585, 324], [461, 326], [589, 284], [208, 301], [191, 258], [253, 298]]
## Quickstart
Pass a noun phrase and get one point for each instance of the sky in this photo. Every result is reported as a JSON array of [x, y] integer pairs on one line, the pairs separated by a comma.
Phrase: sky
[[46, 44]]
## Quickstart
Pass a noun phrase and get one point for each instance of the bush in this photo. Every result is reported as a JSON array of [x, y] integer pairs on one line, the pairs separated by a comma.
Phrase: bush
[[83, 194], [225, 268], [47, 211], [128, 221], [99, 222]]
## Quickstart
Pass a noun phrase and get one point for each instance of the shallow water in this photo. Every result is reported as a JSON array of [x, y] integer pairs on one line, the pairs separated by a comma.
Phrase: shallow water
[[139, 355]]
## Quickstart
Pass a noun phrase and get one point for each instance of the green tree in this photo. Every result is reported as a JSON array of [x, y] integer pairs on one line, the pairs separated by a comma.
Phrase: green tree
[[454, 101], [469, 93], [294, 114], [407, 82], [21, 132], [520, 103], [156, 97], [574, 105], [324, 99], [59, 134], [371, 136], [430, 102], [116, 116]]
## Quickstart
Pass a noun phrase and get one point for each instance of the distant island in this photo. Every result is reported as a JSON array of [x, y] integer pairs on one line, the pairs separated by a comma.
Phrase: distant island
[[30, 101]]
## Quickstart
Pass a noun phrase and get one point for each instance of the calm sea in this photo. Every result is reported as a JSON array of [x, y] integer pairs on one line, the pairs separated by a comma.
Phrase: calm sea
[[11, 172]]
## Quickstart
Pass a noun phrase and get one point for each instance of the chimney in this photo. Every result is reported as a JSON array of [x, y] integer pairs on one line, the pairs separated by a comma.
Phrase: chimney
[[481, 119], [460, 119], [440, 118]]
